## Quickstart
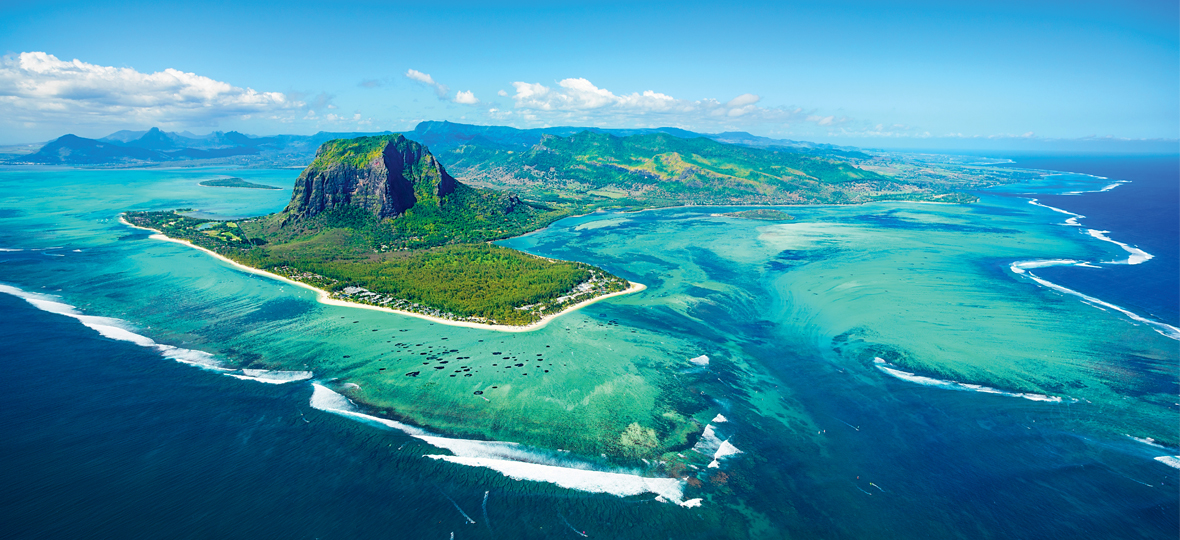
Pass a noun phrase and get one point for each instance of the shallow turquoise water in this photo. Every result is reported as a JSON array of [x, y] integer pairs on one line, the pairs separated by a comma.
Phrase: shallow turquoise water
[[792, 316]]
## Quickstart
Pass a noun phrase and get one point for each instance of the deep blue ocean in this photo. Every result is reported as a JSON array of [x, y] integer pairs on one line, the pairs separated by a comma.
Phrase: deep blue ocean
[[1144, 212], [105, 439]]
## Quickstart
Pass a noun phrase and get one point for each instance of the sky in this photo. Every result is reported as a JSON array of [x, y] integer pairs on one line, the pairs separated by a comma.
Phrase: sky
[[911, 74]]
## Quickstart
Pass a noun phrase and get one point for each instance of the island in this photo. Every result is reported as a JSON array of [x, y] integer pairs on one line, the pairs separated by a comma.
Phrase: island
[[377, 221], [760, 214], [234, 183]]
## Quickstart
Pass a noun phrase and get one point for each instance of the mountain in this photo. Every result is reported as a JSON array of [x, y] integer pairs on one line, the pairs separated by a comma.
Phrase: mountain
[[395, 194], [445, 136], [74, 150], [155, 139], [237, 148], [382, 176]]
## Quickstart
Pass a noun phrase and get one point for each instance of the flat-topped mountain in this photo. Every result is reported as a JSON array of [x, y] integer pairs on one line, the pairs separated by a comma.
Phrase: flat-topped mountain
[[382, 176], [392, 191]]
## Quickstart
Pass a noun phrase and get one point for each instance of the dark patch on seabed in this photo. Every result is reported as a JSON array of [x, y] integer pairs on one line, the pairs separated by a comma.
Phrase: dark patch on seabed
[[11, 213], [793, 258], [890, 220], [280, 309]]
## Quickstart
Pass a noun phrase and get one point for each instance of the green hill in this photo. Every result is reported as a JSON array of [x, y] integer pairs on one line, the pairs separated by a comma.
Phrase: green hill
[[663, 169]]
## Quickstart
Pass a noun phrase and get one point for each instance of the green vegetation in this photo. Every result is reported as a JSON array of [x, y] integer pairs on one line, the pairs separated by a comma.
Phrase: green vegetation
[[357, 152], [763, 214], [235, 183], [597, 169], [466, 215], [475, 282]]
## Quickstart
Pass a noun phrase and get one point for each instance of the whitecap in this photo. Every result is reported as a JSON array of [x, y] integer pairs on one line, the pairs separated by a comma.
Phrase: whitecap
[[725, 450], [701, 360], [719, 419], [709, 442], [1171, 461], [272, 376], [1138, 256], [954, 385]]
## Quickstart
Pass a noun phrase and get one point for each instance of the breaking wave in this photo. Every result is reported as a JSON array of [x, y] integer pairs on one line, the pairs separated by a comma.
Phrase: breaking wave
[[113, 328], [955, 385], [513, 460], [1135, 256]]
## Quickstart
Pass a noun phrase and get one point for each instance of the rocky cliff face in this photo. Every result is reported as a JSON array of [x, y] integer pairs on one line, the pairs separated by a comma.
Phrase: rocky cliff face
[[384, 176]]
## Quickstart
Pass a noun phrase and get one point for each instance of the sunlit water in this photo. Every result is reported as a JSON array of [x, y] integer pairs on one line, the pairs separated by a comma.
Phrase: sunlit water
[[884, 371]]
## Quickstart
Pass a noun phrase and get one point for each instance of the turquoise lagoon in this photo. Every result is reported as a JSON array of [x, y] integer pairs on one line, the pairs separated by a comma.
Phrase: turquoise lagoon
[[889, 370]]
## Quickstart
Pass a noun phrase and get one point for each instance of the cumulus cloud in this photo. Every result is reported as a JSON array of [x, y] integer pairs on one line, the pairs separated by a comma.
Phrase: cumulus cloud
[[577, 99], [464, 97], [37, 87]]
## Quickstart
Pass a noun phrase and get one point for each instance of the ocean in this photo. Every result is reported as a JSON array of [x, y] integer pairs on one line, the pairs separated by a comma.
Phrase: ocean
[[881, 371]]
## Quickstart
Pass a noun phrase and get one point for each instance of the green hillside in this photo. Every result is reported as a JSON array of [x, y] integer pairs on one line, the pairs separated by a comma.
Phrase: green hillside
[[662, 169]]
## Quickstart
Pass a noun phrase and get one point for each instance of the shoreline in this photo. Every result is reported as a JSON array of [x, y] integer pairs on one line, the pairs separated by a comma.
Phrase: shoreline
[[323, 297]]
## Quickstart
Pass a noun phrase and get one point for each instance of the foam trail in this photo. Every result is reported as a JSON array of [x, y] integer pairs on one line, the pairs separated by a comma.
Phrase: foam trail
[[1034, 202], [849, 425], [465, 516], [1148, 441], [513, 460], [486, 522], [954, 385], [567, 524], [876, 486]]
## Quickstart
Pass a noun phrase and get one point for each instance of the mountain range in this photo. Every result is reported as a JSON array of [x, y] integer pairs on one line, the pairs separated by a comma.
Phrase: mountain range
[[154, 146]]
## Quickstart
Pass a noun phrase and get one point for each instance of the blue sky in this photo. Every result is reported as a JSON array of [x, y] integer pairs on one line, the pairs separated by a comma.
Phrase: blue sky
[[891, 74]]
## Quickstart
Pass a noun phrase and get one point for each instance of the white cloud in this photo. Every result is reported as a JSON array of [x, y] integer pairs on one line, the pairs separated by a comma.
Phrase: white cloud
[[579, 100], [440, 90], [465, 97], [462, 97], [38, 87]]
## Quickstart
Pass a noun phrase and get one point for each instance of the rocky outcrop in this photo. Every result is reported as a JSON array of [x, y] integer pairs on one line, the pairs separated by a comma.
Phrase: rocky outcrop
[[383, 176]]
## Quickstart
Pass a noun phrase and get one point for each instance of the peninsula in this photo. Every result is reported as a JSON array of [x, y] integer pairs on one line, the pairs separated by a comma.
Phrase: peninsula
[[378, 221]]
